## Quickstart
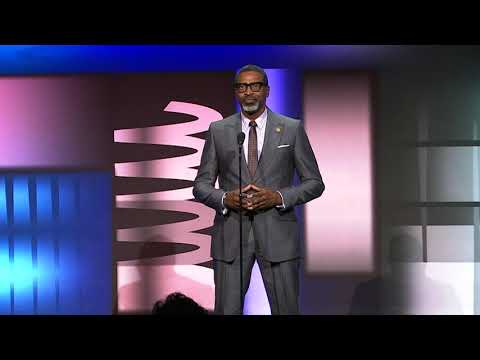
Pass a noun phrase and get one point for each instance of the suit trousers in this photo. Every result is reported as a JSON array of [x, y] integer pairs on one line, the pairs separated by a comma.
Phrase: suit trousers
[[279, 278]]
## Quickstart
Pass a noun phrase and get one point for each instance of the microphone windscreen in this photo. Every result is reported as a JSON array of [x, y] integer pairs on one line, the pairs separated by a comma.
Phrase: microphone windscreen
[[240, 138]]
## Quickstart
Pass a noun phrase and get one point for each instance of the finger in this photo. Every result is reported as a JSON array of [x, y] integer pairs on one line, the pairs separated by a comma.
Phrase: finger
[[247, 201], [255, 187], [264, 203], [256, 200], [245, 205], [248, 206], [261, 205], [260, 198], [257, 196], [246, 188], [261, 191], [237, 191]]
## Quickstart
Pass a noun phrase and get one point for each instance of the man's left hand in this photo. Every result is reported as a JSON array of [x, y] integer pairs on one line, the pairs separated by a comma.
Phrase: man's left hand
[[262, 199]]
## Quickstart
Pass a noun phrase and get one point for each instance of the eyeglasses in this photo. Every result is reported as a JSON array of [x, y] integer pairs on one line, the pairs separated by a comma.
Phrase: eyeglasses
[[255, 87]]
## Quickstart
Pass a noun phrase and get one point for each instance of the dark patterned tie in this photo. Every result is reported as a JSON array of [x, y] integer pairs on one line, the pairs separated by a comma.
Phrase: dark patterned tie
[[252, 148]]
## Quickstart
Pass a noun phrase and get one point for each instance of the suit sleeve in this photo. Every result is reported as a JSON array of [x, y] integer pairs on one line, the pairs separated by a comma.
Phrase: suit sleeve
[[311, 185], [204, 185]]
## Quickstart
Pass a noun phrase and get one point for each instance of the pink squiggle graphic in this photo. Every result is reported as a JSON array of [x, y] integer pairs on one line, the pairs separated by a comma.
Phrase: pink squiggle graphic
[[173, 168], [140, 285], [180, 232]]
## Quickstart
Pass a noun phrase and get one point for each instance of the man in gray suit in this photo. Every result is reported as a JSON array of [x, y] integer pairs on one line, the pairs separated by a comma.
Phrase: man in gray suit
[[274, 147]]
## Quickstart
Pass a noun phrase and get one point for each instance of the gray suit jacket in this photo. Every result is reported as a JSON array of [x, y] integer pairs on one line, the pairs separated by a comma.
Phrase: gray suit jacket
[[274, 229]]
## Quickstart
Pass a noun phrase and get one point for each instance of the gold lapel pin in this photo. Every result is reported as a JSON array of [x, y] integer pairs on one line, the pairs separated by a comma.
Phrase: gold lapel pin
[[278, 129]]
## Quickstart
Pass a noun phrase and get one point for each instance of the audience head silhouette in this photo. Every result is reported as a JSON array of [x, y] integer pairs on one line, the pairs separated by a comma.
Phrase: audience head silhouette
[[178, 304]]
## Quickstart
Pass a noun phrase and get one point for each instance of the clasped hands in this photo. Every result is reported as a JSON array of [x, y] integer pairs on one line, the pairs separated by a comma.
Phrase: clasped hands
[[254, 198]]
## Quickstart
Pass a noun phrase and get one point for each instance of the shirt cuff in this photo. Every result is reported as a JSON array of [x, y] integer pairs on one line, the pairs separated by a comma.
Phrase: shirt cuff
[[224, 209], [283, 203]]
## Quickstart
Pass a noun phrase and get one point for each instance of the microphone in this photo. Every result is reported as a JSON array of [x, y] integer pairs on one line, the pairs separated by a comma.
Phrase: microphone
[[240, 138]]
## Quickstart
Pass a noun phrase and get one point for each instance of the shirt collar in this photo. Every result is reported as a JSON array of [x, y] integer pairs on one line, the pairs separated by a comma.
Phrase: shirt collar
[[261, 120]]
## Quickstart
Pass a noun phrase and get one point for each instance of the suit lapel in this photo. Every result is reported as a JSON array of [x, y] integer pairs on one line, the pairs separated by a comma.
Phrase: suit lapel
[[273, 134], [236, 128]]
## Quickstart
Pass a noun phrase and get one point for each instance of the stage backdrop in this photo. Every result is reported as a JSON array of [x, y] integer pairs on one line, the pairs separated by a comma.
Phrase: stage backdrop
[[85, 152]]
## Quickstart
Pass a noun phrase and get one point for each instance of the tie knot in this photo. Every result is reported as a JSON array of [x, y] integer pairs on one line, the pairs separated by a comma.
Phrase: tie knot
[[253, 123]]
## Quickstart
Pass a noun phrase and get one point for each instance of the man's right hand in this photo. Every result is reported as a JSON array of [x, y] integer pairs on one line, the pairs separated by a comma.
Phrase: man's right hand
[[232, 199]]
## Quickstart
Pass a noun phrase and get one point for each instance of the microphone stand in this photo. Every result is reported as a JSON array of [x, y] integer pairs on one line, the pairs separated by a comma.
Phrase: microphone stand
[[240, 145]]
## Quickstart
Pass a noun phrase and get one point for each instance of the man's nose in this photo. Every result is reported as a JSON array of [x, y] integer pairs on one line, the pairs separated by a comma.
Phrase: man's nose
[[248, 90]]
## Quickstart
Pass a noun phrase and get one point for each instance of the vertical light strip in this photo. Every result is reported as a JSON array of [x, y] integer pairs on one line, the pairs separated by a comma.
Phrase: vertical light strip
[[4, 276], [339, 224], [32, 191], [45, 247], [3, 205], [21, 201], [23, 273], [423, 180], [56, 240], [476, 220], [67, 256], [11, 242], [77, 245], [4, 252]]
